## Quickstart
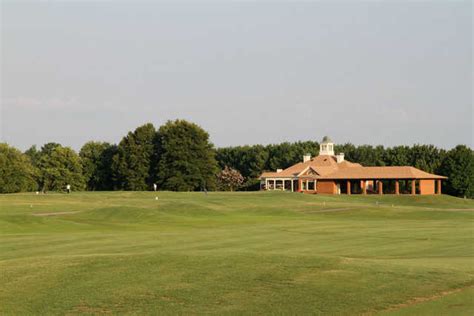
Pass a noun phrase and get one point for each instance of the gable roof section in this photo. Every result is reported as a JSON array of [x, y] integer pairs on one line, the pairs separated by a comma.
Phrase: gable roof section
[[310, 170], [289, 172]]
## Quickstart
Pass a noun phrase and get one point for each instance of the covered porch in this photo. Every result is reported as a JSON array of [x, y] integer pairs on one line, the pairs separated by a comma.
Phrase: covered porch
[[389, 186], [302, 184], [280, 184]]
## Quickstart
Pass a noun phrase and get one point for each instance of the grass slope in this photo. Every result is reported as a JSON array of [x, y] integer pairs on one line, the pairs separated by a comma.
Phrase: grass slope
[[235, 253]]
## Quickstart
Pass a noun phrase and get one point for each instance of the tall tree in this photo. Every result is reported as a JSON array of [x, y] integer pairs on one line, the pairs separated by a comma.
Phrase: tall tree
[[59, 166], [286, 154], [16, 171], [133, 163], [187, 158], [96, 160], [426, 157], [458, 166], [367, 155], [398, 156], [48, 148], [33, 154]]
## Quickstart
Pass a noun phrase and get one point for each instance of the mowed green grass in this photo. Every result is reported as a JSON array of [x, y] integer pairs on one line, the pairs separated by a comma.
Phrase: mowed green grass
[[235, 253]]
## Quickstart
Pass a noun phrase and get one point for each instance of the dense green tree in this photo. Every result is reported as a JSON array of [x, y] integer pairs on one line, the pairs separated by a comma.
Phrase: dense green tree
[[366, 155], [48, 148], [33, 154], [134, 162], [187, 158], [458, 166], [307, 147], [287, 154], [398, 156], [280, 156], [348, 149], [59, 166], [426, 157], [253, 160], [226, 156], [96, 158], [249, 160], [16, 171], [107, 172]]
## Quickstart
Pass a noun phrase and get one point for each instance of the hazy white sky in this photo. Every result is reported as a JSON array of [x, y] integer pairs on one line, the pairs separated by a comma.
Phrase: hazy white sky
[[380, 72]]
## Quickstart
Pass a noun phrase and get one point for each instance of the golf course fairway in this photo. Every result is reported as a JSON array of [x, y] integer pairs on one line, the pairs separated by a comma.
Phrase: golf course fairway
[[165, 253]]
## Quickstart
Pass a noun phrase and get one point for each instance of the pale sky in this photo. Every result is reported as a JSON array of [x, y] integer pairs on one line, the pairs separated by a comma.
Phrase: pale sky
[[378, 72]]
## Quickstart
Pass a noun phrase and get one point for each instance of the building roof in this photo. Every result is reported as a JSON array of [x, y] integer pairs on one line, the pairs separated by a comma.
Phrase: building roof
[[322, 165], [327, 167], [403, 172]]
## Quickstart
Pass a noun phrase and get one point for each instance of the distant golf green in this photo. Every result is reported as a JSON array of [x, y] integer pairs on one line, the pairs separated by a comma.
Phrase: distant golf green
[[235, 253]]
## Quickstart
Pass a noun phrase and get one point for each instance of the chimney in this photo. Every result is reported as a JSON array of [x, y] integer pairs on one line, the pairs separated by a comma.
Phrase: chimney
[[340, 157], [279, 170], [306, 157]]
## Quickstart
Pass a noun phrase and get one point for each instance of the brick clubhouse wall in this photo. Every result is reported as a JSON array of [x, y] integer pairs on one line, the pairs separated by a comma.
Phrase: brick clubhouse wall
[[326, 187], [427, 187]]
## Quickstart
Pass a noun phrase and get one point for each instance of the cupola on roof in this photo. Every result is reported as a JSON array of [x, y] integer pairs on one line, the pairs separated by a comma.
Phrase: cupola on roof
[[326, 147], [326, 140]]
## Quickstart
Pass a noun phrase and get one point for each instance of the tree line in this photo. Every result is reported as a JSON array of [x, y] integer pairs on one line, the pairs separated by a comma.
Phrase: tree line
[[178, 156]]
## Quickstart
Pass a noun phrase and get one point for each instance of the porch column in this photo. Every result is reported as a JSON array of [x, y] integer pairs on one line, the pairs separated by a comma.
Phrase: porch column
[[397, 187], [380, 187], [348, 187], [307, 187], [413, 187], [266, 184], [439, 187], [274, 184], [292, 189], [364, 187], [314, 185]]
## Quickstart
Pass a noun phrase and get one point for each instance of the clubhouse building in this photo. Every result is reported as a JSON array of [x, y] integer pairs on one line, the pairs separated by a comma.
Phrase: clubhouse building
[[331, 174]]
